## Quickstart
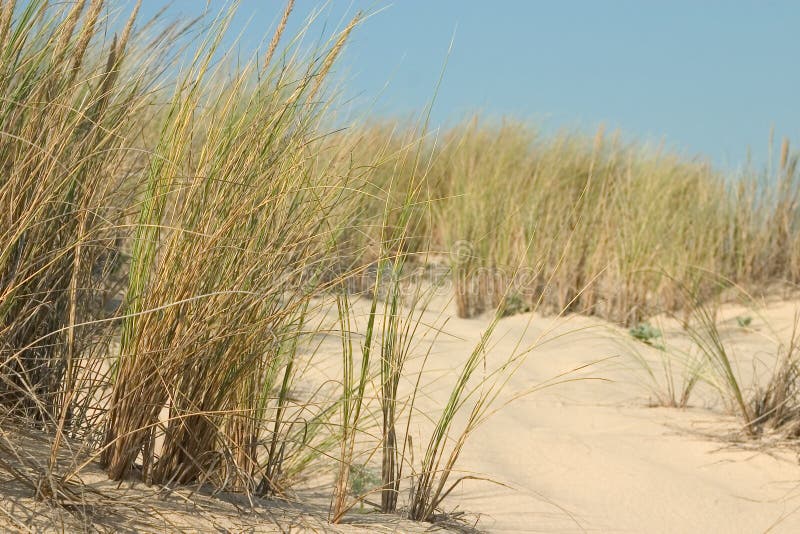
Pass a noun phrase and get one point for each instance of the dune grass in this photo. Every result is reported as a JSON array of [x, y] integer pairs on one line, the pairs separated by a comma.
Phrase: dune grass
[[768, 400], [224, 232], [243, 218], [64, 115], [214, 199], [622, 219], [761, 389]]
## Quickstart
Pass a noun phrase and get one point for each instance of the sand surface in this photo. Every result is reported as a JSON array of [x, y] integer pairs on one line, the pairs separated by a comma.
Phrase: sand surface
[[594, 456], [588, 455]]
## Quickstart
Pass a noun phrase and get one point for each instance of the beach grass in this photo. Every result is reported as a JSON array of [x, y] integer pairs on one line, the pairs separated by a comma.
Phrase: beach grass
[[176, 234]]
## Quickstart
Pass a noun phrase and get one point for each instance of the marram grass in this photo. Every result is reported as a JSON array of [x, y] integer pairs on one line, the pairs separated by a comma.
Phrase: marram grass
[[172, 235]]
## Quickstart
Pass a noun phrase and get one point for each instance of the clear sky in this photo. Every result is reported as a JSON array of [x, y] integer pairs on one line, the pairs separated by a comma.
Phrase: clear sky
[[706, 77]]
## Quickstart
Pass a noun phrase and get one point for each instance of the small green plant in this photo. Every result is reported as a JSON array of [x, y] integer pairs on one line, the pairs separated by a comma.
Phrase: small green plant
[[514, 305], [647, 333], [744, 321], [363, 479]]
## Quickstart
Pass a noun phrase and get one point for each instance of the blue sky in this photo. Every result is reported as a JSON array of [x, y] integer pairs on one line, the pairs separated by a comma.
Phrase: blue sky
[[708, 78]]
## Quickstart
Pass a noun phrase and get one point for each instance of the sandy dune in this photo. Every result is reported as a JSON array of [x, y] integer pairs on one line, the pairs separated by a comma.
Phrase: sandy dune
[[590, 455]]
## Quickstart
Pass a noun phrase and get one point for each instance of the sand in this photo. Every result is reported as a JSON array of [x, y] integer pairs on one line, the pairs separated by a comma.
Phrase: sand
[[591, 455], [594, 455]]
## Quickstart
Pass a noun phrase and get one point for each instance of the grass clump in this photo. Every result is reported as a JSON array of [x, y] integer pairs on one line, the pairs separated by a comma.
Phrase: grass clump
[[700, 352], [766, 403], [232, 235], [64, 118]]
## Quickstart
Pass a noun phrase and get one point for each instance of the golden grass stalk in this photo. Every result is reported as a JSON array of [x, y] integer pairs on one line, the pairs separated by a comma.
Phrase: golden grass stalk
[[276, 37]]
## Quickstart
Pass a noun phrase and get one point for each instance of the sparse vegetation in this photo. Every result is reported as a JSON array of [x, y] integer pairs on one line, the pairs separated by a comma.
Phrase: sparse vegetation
[[671, 372], [766, 401]]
